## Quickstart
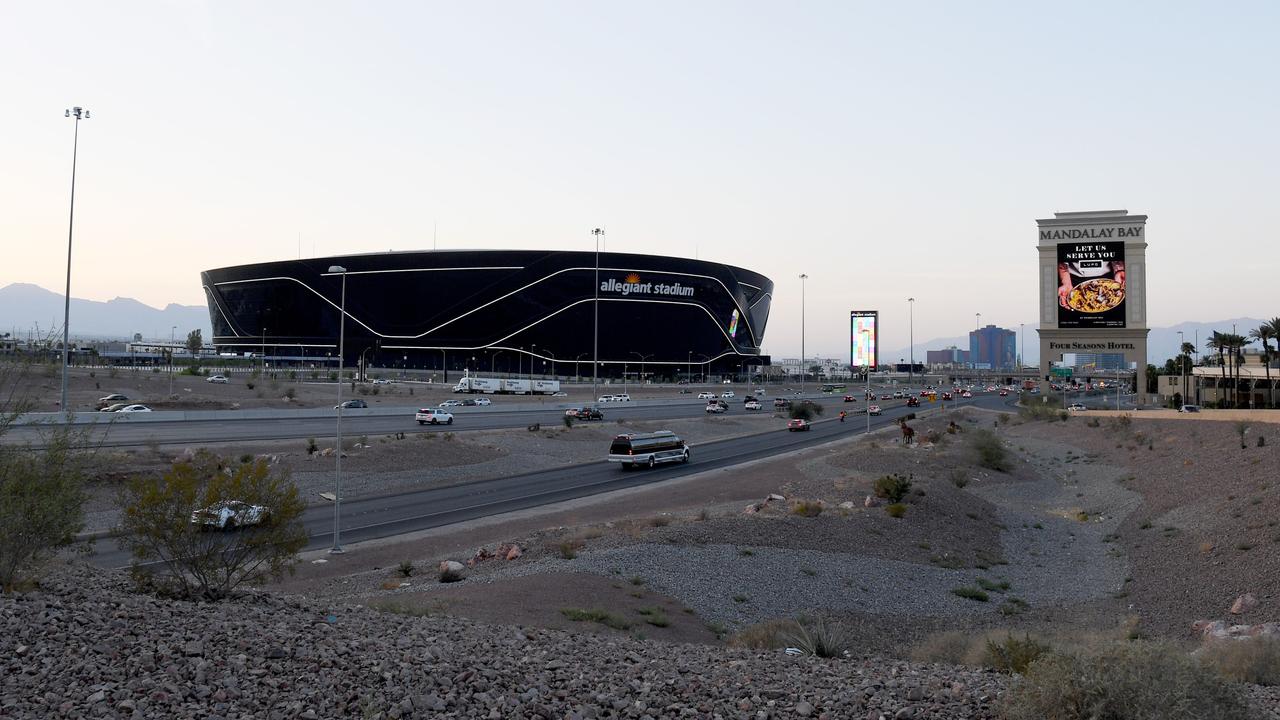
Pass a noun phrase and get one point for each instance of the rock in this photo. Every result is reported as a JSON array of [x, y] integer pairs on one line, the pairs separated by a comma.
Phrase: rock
[[915, 694], [751, 509], [96, 697], [276, 652], [1244, 604], [847, 505], [451, 571], [774, 497], [804, 709], [904, 713], [514, 552], [871, 502]]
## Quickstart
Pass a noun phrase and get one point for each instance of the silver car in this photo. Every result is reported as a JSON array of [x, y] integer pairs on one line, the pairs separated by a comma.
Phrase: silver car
[[230, 514]]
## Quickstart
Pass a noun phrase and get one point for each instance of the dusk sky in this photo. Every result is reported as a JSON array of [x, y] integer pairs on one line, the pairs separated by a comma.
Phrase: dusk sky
[[887, 150]]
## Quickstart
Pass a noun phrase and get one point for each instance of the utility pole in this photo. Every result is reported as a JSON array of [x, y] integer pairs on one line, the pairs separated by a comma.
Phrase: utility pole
[[595, 343], [804, 374], [77, 113]]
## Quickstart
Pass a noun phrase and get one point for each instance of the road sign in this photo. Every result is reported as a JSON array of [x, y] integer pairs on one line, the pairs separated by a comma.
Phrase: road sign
[[1062, 372]]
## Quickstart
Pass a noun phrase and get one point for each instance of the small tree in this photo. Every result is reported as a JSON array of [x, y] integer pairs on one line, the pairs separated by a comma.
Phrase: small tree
[[194, 342], [41, 503], [156, 525], [805, 410]]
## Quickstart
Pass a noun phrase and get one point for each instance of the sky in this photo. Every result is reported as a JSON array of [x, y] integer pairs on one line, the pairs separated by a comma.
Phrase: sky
[[886, 150]]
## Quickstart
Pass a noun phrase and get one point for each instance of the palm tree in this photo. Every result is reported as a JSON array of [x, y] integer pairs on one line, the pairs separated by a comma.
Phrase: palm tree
[[1263, 334], [1217, 341], [1187, 348]]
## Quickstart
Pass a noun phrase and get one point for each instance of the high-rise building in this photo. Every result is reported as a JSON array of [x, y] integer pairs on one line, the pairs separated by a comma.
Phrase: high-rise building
[[948, 357], [993, 348]]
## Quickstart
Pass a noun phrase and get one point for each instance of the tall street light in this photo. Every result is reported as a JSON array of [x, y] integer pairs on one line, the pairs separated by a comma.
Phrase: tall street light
[[911, 369], [172, 330], [77, 113], [595, 342], [337, 477], [866, 371], [803, 370], [642, 359]]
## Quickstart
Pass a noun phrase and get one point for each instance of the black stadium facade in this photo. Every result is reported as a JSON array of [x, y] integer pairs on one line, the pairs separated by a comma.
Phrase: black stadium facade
[[497, 310]]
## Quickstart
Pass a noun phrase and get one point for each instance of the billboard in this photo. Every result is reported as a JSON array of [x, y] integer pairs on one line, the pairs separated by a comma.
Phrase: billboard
[[1091, 285], [864, 347]]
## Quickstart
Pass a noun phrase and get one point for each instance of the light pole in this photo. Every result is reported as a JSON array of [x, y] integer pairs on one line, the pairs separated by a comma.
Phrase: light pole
[[172, 330], [911, 369], [1022, 340], [642, 359], [707, 361], [262, 362], [577, 367], [1182, 366], [337, 477], [803, 370], [595, 334], [866, 371], [688, 372], [77, 113]]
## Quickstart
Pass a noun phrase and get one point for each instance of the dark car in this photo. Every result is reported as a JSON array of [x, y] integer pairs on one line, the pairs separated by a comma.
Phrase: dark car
[[946, 396], [781, 403], [349, 404], [586, 413], [913, 401], [850, 398], [798, 425]]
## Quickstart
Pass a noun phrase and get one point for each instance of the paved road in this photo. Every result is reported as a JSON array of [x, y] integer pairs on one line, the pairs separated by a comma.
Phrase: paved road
[[379, 517]]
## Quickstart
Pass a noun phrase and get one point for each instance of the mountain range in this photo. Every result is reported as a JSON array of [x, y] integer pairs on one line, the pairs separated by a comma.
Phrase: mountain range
[[27, 309]]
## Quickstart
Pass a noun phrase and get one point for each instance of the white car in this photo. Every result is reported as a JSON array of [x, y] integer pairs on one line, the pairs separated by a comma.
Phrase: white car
[[727, 394], [230, 514], [751, 404], [217, 379], [1076, 407], [622, 398], [451, 403], [380, 381], [134, 409], [873, 410], [897, 394], [760, 391], [560, 394], [715, 406], [434, 416], [482, 401], [706, 396]]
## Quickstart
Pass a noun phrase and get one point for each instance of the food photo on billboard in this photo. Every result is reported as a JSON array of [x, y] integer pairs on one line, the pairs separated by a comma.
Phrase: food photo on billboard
[[1091, 285]]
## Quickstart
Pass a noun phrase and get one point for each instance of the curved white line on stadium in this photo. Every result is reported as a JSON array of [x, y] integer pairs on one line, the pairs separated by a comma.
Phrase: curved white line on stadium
[[757, 300], [375, 272], [566, 307], [742, 313], [214, 299]]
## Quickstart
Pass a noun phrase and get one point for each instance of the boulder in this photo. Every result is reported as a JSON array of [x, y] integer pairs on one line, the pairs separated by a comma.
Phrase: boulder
[[1244, 604], [774, 497], [451, 571], [514, 552], [847, 505], [871, 502]]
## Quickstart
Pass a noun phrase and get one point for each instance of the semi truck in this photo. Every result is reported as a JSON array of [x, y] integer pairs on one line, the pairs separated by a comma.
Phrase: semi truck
[[507, 386]]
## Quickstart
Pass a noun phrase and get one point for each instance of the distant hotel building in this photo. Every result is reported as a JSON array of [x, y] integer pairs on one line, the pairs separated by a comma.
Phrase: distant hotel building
[[993, 348], [1094, 361], [952, 357]]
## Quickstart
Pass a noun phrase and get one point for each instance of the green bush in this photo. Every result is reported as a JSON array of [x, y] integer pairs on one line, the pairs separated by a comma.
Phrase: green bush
[[41, 503], [893, 487], [405, 569], [806, 508], [819, 636], [991, 452], [806, 410], [896, 510], [568, 421], [155, 525], [312, 448], [604, 617], [970, 593], [1133, 681], [1013, 655]]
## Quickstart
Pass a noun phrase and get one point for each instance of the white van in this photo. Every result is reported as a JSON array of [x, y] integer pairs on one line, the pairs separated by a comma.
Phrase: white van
[[648, 449]]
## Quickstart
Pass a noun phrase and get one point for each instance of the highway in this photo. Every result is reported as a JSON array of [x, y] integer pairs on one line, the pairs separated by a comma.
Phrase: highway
[[385, 516]]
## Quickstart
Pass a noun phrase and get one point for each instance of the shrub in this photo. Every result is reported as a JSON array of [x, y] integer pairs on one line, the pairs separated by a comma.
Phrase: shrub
[[986, 584], [806, 508], [312, 448], [290, 393], [604, 617], [970, 593], [1242, 429], [568, 421], [405, 569], [805, 410], [896, 510], [41, 502], [991, 452], [654, 616], [569, 548], [246, 458], [1135, 681], [156, 526], [819, 636], [959, 477], [768, 635], [893, 487], [1012, 655], [250, 384], [1256, 660]]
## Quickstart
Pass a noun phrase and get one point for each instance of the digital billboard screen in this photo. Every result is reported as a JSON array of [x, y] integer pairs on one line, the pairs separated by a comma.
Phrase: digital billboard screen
[[1091, 285], [864, 346]]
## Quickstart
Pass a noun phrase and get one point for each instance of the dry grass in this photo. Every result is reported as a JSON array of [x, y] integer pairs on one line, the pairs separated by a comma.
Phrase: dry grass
[[768, 635], [1256, 660], [807, 508]]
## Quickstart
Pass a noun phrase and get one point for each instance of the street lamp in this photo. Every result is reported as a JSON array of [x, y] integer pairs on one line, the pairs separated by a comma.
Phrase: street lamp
[[77, 113], [706, 362], [911, 369], [577, 367], [172, 330], [337, 477], [642, 359], [803, 373], [595, 343], [866, 371]]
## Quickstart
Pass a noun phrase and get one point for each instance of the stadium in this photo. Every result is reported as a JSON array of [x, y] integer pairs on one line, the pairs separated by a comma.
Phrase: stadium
[[497, 311]]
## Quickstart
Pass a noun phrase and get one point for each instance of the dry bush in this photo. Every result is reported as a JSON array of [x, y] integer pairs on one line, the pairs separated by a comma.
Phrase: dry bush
[[1134, 681], [767, 635], [990, 450], [807, 508], [896, 510], [1256, 660], [569, 548], [1013, 654], [951, 648]]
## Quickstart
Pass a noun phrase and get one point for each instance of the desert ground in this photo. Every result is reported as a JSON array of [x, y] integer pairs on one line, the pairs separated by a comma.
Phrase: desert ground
[[678, 598]]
